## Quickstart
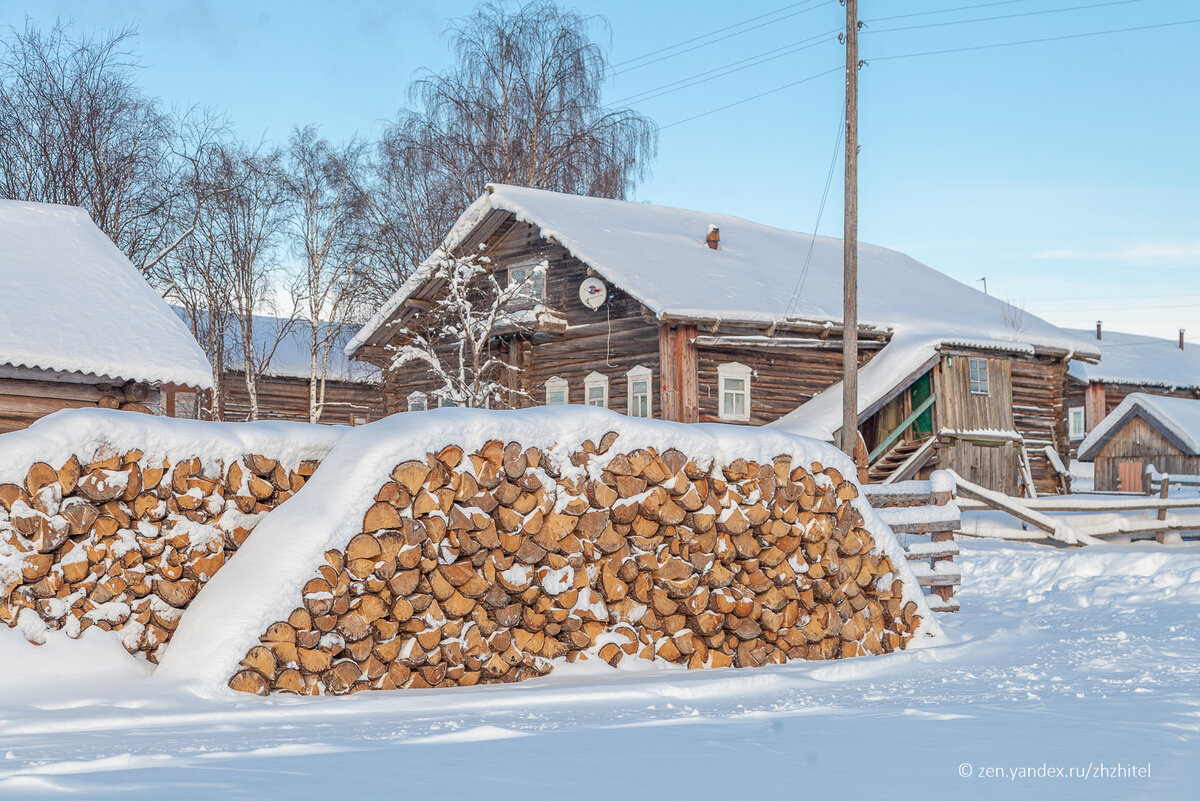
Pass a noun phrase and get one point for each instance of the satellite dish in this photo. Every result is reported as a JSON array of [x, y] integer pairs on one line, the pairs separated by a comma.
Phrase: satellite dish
[[593, 293]]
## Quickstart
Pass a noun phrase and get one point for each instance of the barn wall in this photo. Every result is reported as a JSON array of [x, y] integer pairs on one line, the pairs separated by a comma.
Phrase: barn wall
[[24, 401], [1140, 442], [1040, 414], [287, 399]]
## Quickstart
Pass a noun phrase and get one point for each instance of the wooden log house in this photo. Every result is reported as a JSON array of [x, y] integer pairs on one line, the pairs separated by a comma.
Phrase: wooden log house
[[80, 326], [712, 318], [1129, 363], [353, 391], [1144, 430]]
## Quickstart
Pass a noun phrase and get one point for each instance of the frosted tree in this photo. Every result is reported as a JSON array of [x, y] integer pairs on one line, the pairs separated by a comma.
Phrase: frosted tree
[[457, 336]]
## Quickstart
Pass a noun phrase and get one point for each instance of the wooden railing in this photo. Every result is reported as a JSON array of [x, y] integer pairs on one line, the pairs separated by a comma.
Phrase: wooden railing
[[918, 509], [900, 429]]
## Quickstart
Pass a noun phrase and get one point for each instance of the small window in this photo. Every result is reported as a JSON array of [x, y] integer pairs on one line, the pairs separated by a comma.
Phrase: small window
[[418, 402], [185, 405], [443, 402], [733, 382], [595, 390], [639, 391], [1076, 421], [533, 275], [979, 376], [556, 391], [358, 420]]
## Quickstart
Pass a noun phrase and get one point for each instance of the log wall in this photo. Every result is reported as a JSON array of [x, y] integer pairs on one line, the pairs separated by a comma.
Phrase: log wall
[[484, 567], [23, 401], [1040, 414]]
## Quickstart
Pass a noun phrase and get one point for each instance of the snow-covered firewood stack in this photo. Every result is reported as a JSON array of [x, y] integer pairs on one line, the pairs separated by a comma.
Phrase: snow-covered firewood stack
[[116, 523], [489, 564]]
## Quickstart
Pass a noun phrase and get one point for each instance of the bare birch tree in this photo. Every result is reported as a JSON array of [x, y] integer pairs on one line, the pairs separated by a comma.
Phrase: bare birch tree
[[76, 129], [325, 220], [521, 105]]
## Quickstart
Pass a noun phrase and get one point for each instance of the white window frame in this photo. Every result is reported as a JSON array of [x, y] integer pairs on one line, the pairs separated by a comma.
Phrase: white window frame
[[733, 371], [555, 385], [535, 272], [443, 402], [634, 407], [595, 381], [1075, 415], [977, 375], [418, 402]]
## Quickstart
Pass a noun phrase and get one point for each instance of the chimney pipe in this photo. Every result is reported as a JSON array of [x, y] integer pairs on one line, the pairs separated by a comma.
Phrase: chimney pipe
[[1181, 339], [713, 240], [1098, 330]]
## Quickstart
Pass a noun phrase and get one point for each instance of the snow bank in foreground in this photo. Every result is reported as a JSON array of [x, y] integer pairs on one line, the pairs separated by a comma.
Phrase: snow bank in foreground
[[262, 585]]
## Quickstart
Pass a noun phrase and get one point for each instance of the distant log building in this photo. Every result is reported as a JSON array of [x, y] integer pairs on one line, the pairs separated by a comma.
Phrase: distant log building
[[711, 318], [1143, 431], [353, 391]]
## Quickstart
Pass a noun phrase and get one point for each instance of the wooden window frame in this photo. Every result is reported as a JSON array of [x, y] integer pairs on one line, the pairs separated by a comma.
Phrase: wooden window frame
[[733, 371], [417, 402], [978, 381], [556, 384], [536, 268], [1076, 413], [192, 398], [639, 373], [593, 381]]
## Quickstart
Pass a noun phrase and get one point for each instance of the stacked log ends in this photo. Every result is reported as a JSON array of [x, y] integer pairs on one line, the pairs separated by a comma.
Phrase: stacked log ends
[[124, 544], [491, 566]]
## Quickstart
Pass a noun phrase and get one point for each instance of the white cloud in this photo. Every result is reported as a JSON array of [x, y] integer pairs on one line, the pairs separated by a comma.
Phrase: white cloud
[[1145, 254]]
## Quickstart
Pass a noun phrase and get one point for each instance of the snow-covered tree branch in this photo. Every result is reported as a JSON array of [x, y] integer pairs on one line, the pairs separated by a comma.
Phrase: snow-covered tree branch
[[457, 336]]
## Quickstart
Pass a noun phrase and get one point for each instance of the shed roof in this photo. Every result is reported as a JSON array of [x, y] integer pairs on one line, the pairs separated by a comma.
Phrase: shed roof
[[1178, 419], [74, 303]]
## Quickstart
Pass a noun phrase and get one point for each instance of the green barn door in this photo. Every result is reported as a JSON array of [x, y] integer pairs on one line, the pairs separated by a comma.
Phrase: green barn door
[[918, 393]]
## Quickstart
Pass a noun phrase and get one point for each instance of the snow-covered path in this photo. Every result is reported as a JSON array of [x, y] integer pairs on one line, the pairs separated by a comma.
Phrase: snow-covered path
[[1060, 658]]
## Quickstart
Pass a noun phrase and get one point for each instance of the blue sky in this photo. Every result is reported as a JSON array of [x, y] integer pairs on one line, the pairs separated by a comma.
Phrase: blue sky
[[1064, 171]]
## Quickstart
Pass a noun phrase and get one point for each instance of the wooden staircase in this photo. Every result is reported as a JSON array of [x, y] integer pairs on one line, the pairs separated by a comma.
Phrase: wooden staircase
[[885, 465]]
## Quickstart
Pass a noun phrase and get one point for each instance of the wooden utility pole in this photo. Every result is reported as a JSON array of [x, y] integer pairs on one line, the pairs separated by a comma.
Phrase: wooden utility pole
[[850, 242]]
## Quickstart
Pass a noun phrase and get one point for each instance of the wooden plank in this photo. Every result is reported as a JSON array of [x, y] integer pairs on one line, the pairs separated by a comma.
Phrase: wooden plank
[[688, 381]]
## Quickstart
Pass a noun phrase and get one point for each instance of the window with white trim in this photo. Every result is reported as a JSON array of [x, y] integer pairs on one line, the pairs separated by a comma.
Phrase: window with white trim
[[418, 402], [556, 391], [533, 275], [595, 390], [978, 369], [444, 402], [733, 382], [1075, 419], [638, 390]]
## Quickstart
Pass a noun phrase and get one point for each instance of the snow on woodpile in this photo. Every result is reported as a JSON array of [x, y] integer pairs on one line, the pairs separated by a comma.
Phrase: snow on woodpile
[[1141, 361], [74, 303], [115, 520], [1178, 418], [455, 546]]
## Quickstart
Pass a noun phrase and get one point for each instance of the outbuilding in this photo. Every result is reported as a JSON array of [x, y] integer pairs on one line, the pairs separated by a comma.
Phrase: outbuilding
[[1144, 430], [79, 324]]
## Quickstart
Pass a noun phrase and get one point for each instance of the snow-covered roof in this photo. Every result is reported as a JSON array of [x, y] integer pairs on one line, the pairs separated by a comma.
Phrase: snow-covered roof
[[291, 358], [1141, 361], [1177, 418], [657, 254], [72, 302]]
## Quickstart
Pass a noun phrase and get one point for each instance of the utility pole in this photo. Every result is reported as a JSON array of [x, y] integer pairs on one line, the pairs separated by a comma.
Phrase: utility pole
[[850, 242]]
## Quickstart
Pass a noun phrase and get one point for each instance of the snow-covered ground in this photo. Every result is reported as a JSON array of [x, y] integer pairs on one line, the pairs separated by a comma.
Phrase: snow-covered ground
[[1061, 659]]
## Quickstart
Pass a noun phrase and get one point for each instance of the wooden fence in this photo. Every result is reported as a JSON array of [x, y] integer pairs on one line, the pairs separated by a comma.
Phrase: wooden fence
[[924, 517]]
